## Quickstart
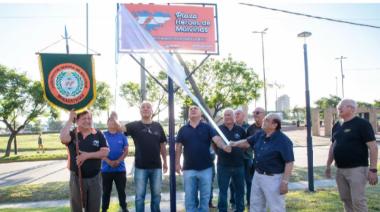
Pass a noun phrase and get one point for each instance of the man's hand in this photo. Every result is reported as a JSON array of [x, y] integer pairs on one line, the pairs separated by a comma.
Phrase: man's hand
[[115, 163], [227, 148], [328, 172], [372, 178], [178, 168], [232, 144], [283, 187], [72, 116], [165, 168], [82, 157]]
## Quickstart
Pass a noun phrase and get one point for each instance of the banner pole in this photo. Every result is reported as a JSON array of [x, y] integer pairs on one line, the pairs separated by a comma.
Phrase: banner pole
[[67, 41], [82, 199], [172, 146]]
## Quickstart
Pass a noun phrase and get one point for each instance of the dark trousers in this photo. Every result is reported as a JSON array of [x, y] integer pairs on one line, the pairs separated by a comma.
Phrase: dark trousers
[[248, 182], [92, 192], [120, 181]]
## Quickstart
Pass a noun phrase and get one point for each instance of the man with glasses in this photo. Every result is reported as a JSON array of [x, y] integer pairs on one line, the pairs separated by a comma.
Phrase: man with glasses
[[352, 139], [274, 160], [258, 116]]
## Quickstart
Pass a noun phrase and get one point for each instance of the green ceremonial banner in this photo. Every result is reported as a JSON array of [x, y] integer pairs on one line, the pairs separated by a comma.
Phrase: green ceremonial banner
[[68, 80]]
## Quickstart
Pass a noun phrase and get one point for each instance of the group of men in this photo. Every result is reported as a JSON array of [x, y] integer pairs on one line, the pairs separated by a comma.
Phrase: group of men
[[255, 164]]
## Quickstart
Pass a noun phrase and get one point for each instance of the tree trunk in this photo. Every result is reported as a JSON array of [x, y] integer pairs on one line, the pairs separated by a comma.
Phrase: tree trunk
[[15, 144], [9, 145]]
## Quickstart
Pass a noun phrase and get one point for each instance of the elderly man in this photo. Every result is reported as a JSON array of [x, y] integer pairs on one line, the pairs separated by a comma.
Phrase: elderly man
[[274, 160], [258, 116], [231, 165], [352, 139], [92, 148], [195, 140], [240, 121], [150, 142]]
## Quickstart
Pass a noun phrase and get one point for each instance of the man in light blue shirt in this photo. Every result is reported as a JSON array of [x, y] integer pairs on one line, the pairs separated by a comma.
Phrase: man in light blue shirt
[[113, 167]]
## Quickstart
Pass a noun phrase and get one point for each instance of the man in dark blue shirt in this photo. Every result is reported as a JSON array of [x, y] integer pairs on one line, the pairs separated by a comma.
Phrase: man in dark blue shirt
[[195, 140], [231, 165], [274, 160]]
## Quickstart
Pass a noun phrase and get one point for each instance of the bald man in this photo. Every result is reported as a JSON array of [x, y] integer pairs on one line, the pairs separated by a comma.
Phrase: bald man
[[352, 139]]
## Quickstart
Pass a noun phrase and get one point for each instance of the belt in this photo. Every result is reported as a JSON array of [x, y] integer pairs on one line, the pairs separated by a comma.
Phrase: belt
[[264, 172]]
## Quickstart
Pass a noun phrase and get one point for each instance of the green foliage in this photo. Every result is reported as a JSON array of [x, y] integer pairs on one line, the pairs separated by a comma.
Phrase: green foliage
[[20, 99], [331, 102], [299, 113], [131, 92], [376, 104], [104, 98], [225, 83], [364, 104]]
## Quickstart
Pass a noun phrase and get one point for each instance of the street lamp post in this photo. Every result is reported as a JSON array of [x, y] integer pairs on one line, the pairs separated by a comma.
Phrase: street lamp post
[[308, 115], [341, 58], [262, 49]]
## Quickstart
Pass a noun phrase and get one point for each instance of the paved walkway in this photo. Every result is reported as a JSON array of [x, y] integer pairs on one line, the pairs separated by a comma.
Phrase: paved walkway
[[165, 202], [52, 171]]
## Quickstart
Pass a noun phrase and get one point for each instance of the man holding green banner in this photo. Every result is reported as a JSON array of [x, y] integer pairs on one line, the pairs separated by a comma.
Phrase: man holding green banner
[[68, 82]]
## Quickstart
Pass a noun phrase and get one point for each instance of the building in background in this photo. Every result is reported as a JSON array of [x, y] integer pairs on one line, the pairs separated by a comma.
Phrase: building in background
[[283, 103]]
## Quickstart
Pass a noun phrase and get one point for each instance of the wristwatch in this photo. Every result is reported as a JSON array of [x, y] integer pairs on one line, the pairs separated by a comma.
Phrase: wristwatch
[[373, 170]]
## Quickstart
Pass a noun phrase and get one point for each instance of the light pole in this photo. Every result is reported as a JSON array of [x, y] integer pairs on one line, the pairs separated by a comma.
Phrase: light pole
[[341, 58], [262, 49], [308, 115]]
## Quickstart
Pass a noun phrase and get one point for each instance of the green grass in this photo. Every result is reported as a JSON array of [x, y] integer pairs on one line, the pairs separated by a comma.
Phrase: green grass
[[60, 190], [27, 148], [327, 200], [322, 200], [300, 174]]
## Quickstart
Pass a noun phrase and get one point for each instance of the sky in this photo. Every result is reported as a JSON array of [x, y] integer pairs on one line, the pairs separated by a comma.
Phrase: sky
[[28, 28]]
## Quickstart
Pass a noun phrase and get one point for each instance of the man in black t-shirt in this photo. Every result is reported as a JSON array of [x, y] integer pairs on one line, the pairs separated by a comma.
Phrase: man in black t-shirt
[[92, 148], [150, 142], [351, 141]]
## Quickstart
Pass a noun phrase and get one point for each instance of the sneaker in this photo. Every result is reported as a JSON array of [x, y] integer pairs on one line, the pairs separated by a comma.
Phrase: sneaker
[[210, 205]]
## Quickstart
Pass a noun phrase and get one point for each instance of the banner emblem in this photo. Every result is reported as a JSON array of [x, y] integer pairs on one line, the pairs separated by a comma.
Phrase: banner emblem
[[69, 83], [68, 80]]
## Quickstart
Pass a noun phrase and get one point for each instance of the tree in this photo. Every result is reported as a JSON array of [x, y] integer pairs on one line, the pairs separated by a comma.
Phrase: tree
[[21, 101], [225, 83], [376, 104], [364, 104], [54, 125], [324, 102], [103, 100], [299, 113], [131, 92]]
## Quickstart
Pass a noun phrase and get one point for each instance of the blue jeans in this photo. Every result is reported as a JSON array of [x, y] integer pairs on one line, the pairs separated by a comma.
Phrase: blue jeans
[[141, 180], [248, 178], [225, 175], [194, 180]]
